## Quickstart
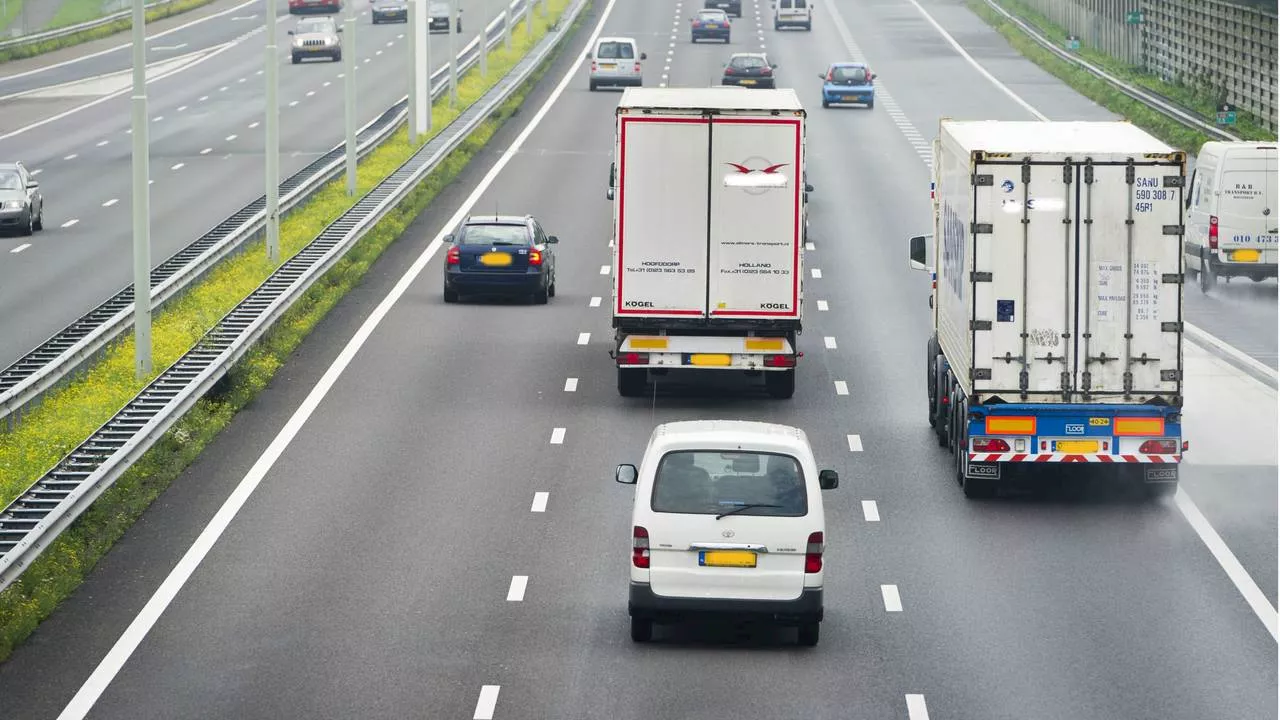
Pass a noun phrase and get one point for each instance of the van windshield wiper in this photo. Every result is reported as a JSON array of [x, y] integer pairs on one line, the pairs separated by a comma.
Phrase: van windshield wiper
[[748, 506]]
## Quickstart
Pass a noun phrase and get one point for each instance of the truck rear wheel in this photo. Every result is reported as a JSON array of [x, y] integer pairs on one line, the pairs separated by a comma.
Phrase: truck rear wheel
[[631, 382], [781, 385]]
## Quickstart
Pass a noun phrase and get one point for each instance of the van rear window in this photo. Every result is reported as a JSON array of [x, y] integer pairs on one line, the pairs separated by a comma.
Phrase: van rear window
[[615, 51], [710, 482]]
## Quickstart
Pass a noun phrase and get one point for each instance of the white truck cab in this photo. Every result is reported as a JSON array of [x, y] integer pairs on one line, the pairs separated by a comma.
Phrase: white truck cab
[[1231, 214]]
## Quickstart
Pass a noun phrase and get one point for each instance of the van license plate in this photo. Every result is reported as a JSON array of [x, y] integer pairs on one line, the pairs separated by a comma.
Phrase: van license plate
[[1076, 446], [727, 558], [705, 360], [608, 66], [1245, 255]]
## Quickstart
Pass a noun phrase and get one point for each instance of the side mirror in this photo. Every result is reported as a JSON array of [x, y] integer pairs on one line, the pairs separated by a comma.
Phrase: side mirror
[[822, 76], [873, 76], [774, 66], [644, 56], [447, 239], [626, 474], [339, 29], [552, 239], [33, 185], [919, 252], [609, 194], [290, 32], [808, 188], [828, 479]]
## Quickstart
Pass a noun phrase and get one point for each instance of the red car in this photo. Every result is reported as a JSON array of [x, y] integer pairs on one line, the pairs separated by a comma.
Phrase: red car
[[302, 7]]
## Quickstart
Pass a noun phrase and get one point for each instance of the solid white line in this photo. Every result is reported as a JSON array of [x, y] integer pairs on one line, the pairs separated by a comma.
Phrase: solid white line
[[604, 269], [1199, 336], [20, 248], [892, 601], [830, 342], [916, 709], [539, 502], [103, 143], [515, 593], [571, 385], [842, 387], [70, 222], [179, 166], [855, 443], [487, 702], [870, 511], [115, 659], [111, 202], [584, 338], [822, 306], [595, 302], [557, 436], [816, 272]]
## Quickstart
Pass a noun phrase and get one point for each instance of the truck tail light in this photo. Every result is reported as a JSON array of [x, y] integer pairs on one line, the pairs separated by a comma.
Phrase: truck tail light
[[1213, 232], [990, 445], [813, 553], [1159, 447], [633, 358], [454, 256], [640, 547], [780, 361], [535, 258]]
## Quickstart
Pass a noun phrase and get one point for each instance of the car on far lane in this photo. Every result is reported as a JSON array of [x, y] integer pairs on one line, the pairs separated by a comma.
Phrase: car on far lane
[[500, 255], [438, 18], [316, 37], [389, 11], [21, 202], [749, 70], [731, 7], [709, 25], [848, 82], [301, 7]]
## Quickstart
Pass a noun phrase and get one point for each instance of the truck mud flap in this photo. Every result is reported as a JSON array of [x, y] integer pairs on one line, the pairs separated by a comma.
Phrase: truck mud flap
[[984, 471], [1160, 474]]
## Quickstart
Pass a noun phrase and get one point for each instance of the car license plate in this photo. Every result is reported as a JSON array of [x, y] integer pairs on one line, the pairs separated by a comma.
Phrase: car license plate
[[727, 558], [608, 66], [495, 259], [712, 25], [849, 98], [748, 82], [1076, 446], [1245, 255], [706, 360]]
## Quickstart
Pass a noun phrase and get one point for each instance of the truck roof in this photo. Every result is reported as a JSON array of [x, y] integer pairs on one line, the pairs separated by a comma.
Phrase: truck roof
[[717, 98], [1031, 137]]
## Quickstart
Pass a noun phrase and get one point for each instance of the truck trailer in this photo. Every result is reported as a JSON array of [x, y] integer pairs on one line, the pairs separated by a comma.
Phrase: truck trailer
[[708, 196], [1057, 301]]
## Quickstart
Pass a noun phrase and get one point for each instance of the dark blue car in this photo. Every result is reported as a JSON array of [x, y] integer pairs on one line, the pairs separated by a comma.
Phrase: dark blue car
[[848, 82], [500, 255]]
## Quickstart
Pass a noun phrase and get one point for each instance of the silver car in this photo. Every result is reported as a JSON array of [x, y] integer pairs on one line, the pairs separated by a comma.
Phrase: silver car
[[316, 37], [438, 18], [21, 204], [615, 61]]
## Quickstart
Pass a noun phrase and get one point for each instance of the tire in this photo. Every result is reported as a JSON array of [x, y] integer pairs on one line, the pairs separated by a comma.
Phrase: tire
[[540, 296], [39, 223], [808, 27], [871, 105], [826, 104], [375, 21], [450, 296], [942, 424], [459, 29], [931, 380], [631, 381], [726, 40], [592, 85], [296, 59], [337, 57], [641, 629], [807, 634], [551, 289], [776, 26], [780, 384], [1208, 278], [29, 228]]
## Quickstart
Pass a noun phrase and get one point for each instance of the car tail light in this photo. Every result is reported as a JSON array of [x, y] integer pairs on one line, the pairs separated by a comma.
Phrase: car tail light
[[637, 67], [1213, 232], [728, 71], [593, 66], [780, 361], [990, 445], [813, 553], [535, 257], [633, 358], [454, 256], [766, 71], [869, 76], [1158, 447], [640, 547], [831, 75]]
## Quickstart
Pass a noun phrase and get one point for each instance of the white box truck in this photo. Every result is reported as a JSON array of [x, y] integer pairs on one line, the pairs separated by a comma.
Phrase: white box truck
[[1057, 300], [708, 190]]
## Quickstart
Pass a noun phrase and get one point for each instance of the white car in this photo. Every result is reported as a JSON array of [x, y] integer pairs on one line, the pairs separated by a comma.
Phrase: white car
[[727, 520], [615, 61]]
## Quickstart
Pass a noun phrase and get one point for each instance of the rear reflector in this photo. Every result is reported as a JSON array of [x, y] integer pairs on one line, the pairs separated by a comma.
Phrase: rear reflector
[[1159, 447], [1139, 426], [812, 553], [780, 361], [997, 425], [640, 547], [762, 343], [648, 343], [990, 445], [633, 358]]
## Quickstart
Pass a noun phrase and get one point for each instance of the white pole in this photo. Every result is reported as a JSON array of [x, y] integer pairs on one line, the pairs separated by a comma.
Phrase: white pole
[[141, 199], [506, 24], [453, 53], [528, 18], [423, 69], [272, 149], [483, 37], [349, 54], [546, 8], [419, 91]]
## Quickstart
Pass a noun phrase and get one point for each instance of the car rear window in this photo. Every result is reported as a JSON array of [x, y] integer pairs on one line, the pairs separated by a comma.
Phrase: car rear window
[[615, 51], [1248, 192], [710, 482], [747, 61], [712, 15], [854, 74], [494, 235]]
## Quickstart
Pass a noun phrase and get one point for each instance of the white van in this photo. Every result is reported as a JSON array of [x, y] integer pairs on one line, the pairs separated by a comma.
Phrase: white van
[[1231, 213], [727, 519], [615, 61], [793, 13]]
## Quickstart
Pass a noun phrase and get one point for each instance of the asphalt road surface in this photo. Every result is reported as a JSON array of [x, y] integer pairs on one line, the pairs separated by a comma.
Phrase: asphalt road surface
[[371, 572]]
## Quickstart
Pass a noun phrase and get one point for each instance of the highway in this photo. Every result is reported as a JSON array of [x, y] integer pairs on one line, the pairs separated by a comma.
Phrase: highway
[[206, 158], [403, 479]]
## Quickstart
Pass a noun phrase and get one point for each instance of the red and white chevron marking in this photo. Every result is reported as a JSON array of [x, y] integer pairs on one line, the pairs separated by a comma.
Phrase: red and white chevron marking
[[1066, 458]]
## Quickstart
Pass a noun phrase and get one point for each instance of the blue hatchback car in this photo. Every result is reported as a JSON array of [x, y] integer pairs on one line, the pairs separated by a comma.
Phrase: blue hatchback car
[[848, 82], [500, 255]]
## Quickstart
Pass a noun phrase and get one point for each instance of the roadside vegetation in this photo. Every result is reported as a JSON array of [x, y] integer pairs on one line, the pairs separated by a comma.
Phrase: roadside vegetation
[[1200, 100], [78, 11], [70, 414]]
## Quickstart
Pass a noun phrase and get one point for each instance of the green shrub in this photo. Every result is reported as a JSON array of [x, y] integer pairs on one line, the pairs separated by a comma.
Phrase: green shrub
[[31, 50]]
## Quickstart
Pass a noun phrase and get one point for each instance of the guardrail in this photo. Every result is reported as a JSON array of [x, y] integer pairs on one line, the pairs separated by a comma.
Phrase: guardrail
[[35, 519], [44, 367], [69, 30], [1143, 96]]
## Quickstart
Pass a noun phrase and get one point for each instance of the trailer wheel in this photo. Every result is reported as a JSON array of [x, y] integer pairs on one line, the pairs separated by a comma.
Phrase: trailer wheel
[[631, 381], [941, 427], [781, 385], [931, 379]]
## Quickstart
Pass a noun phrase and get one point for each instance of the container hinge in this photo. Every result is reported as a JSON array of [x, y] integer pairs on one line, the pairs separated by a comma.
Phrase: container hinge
[[982, 180], [980, 374], [1129, 171], [1067, 167], [1170, 375], [1173, 181], [1128, 382], [1143, 360], [1026, 171], [1088, 171], [1103, 359], [978, 276], [1171, 278], [980, 228], [1175, 327], [1172, 230], [980, 325], [1024, 381], [1086, 381]]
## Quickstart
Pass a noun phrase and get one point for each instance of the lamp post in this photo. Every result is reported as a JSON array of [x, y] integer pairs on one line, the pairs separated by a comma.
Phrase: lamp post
[[349, 54], [484, 35], [141, 199], [272, 145], [453, 53], [419, 98]]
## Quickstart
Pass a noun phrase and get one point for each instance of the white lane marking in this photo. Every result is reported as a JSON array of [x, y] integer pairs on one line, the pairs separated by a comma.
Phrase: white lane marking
[[182, 108], [103, 143], [571, 385], [487, 702], [326, 84], [916, 709], [179, 166], [253, 124], [293, 103], [390, 43], [557, 436], [341, 75], [519, 583], [584, 338], [816, 272], [20, 248], [241, 80], [206, 151], [258, 73], [539, 501], [111, 202], [830, 342], [310, 93], [400, 36], [870, 511], [842, 387], [604, 269], [366, 59], [158, 118], [37, 171], [595, 302], [203, 98], [222, 89], [70, 222], [72, 156], [855, 443], [1201, 337], [822, 306], [379, 52], [892, 600], [231, 137], [810, 247]]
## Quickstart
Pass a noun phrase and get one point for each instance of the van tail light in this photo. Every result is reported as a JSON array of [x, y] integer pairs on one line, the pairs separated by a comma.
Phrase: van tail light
[[990, 445], [637, 67], [780, 361], [454, 256], [593, 66], [633, 358], [535, 258], [1213, 232], [813, 553], [1158, 447], [640, 547]]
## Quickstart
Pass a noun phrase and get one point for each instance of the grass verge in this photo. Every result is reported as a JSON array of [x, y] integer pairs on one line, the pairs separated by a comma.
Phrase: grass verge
[[1104, 93], [81, 407], [177, 7]]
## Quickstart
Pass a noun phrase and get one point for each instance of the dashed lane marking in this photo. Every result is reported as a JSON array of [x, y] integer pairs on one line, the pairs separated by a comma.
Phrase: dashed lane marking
[[182, 108], [310, 93], [584, 338], [70, 222], [179, 166], [557, 436], [830, 342], [203, 98], [487, 703], [293, 103], [111, 202], [20, 248], [870, 511], [916, 709], [842, 387], [253, 124], [816, 272], [810, 247], [157, 118], [604, 269], [519, 583], [892, 600], [539, 502], [206, 151], [822, 306], [855, 443], [231, 137], [101, 143], [72, 156], [595, 302]]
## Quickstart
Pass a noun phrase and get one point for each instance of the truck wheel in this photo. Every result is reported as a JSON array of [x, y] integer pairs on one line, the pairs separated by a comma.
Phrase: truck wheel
[[1208, 278], [941, 426], [931, 378], [631, 381], [781, 385]]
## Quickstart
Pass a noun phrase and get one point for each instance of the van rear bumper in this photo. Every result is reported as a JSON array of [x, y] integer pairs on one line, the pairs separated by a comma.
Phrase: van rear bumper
[[642, 602]]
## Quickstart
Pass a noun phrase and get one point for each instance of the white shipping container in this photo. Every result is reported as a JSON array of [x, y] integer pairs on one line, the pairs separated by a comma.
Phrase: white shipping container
[[1059, 261]]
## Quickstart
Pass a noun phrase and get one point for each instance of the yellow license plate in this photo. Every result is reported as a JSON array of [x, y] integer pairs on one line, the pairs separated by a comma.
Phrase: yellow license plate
[[495, 259], [1077, 446], [1245, 255], [706, 360], [748, 82], [608, 66], [728, 558]]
